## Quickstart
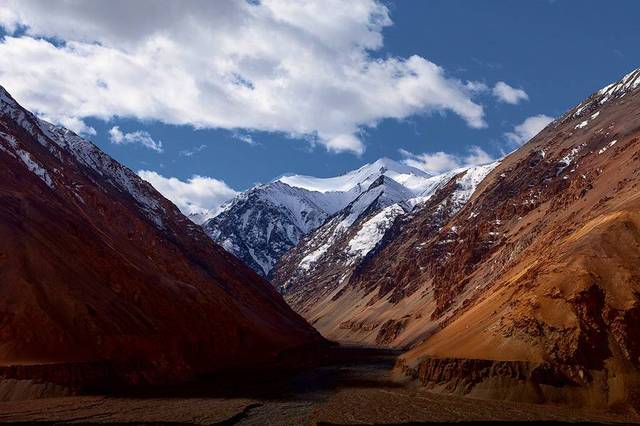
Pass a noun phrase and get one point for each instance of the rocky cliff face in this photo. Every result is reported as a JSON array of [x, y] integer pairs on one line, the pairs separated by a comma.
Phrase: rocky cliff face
[[97, 267]]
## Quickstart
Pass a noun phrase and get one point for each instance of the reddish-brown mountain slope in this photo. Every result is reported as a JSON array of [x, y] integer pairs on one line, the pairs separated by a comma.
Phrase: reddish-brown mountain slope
[[537, 296], [97, 267]]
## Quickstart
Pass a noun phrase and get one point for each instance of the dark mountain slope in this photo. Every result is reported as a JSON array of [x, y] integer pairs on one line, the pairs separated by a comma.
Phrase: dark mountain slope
[[97, 267]]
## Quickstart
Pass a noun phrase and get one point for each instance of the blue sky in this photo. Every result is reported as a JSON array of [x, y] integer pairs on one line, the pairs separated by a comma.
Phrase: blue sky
[[557, 52]]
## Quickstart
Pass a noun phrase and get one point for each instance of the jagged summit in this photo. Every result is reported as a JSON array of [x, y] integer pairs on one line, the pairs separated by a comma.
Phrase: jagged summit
[[409, 176], [264, 222]]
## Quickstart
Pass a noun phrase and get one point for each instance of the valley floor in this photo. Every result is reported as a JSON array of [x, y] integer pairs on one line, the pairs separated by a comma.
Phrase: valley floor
[[353, 386]]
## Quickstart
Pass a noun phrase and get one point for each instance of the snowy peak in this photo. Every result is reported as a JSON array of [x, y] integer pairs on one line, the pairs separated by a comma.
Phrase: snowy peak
[[357, 180], [260, 225], [388, 191], [390, 185], [378, 182], [627, 83], [383, 192], [617, 90], [384, 165]]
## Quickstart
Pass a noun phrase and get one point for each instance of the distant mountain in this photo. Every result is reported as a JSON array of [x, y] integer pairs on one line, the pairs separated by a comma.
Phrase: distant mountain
[[96, 267], [260, 225], [321, 267]]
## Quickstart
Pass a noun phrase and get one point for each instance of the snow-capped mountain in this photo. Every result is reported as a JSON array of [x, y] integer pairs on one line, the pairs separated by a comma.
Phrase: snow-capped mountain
[[329, 255], [263, 223], [383, 192]]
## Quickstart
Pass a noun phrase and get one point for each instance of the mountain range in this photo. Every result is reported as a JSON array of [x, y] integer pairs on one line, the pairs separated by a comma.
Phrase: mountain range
[[517, 279], [260, 225]]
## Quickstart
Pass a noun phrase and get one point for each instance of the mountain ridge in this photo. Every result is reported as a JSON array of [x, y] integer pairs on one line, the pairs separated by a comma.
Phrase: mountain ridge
[[294, 205]]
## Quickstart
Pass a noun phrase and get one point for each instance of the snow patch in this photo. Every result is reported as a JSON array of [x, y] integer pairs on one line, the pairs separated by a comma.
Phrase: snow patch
[[314, 256], [373, 230], [569, 157], [604, 149], [35, 168], [468, 183]]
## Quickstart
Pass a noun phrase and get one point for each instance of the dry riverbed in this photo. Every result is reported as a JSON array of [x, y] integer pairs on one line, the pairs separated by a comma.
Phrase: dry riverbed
[[355, 386]]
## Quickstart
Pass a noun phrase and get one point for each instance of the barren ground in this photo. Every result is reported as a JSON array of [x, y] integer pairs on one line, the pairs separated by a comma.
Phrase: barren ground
[[354, 386]]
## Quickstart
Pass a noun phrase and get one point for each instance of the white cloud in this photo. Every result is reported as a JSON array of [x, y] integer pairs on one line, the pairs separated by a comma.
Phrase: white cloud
[[244, 137], [510, 95], [191, 152], [197, 195], [138, 137], [345, 143], [526, 130], [476, 87], [440, 162], [300, 68], [74, 124]]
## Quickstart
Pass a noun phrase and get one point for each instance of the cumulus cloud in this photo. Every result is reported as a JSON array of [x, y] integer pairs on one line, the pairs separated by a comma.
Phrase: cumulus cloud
[[526, 130], [507, 94], [198, 195], [305, 69], [138, 137], [440, 162]]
